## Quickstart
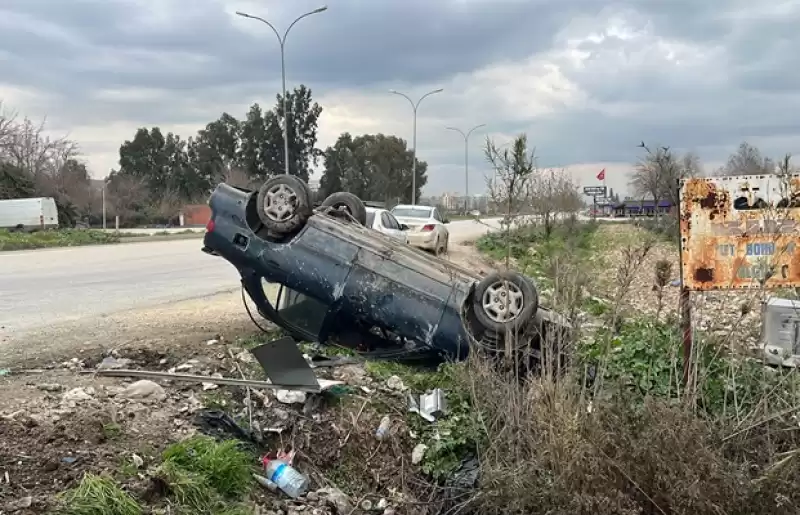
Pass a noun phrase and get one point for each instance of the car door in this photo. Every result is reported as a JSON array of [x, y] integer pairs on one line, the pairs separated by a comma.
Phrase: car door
[[440, 228], [391, 227]]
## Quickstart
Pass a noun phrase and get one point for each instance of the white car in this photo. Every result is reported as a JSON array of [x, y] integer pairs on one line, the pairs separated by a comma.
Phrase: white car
[[383, 221], [426, 227]]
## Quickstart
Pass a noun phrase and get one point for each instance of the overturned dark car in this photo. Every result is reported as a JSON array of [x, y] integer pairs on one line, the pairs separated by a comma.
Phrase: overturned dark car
[[322, 276]]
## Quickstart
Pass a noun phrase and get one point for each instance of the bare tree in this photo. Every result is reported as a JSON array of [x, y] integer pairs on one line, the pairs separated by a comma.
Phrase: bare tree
[[747, 160], [658, 172], [522, 187], [8, 121]]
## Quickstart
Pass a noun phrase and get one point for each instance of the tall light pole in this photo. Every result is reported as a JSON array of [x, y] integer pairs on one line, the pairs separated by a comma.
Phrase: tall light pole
[[466, 160], [414, 155], [282, 41]]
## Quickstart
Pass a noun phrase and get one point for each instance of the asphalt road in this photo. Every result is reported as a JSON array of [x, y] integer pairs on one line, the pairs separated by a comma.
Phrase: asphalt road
[[39, 288]]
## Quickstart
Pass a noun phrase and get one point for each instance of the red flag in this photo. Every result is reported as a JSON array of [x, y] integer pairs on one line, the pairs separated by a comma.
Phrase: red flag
[[602, 175]]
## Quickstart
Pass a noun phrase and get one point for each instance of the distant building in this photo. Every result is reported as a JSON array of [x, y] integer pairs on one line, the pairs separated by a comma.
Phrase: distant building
[[630, 207]]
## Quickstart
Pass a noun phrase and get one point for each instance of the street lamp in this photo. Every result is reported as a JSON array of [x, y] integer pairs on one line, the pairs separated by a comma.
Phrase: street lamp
[[414, 157], [282, 41], [466, 160]]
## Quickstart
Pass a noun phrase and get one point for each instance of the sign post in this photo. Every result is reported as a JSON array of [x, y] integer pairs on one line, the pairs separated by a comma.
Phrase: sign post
[[594, 192]]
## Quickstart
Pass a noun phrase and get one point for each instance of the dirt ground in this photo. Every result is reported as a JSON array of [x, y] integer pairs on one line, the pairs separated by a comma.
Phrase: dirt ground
[[57, 423]]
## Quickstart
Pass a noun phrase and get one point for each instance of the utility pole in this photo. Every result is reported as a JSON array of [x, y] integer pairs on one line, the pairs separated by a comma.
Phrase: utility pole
[[415, 106], [466, 161], [282, 41]]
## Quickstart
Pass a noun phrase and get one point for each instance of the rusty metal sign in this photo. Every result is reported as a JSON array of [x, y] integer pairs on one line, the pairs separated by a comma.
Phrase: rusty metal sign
[[740, 232]]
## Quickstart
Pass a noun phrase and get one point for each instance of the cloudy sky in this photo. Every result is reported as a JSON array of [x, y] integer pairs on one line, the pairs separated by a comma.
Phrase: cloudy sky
[[585, 79]]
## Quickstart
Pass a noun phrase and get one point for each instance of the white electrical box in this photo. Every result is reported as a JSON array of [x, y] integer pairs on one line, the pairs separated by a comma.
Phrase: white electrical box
[[780, 331]]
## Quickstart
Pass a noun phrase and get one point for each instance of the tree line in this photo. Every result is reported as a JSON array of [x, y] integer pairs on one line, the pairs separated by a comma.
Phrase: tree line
[[160, 172], [657, 173], [34, 164]]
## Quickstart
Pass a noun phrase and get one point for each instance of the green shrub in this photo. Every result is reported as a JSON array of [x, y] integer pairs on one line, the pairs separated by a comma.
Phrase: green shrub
[[54, 238]]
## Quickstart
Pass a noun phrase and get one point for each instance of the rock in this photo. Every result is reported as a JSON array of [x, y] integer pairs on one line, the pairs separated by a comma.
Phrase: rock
[[78, 395], [144, 389], [395, 383], [110, 363], [418, 453], [20, 504], [336, 498], [245, 357], [290, 396], [389, 511], [212, 342], [382, 504], [50, 387], [209, 386], [312, 497], [137, 461]]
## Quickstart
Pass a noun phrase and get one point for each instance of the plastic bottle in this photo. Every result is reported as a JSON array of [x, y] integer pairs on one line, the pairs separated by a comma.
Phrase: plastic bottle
[[383, 428], [289, 480]]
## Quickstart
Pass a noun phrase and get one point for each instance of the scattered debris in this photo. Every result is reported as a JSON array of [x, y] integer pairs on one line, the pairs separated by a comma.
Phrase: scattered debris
[[213, 341], [50, 387], [78, 395], [418, 453], [137, 461], [266, 483], [383, 428], [219, 424], [144, 389], [290, 396], [429, 406], [110, 362], [337, 499], [287, 478], [321, 385], [395, 383], [19, 504], [5, 372]]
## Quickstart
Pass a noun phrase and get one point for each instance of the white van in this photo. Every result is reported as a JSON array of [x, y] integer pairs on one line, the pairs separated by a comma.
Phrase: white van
[[28, 214]]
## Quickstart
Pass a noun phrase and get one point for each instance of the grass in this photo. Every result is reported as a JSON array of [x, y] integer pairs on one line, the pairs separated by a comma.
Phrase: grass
[[225, 467], [98, 495], [54, 238], [617, 432]]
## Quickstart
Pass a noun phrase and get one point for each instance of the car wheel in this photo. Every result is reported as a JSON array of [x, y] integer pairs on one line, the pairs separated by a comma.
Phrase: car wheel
[[505, 300], [349, 203], [284, 204], [440, 249]]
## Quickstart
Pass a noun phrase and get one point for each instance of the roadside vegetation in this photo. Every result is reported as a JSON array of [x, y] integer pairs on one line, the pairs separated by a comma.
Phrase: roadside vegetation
[[19, 240]]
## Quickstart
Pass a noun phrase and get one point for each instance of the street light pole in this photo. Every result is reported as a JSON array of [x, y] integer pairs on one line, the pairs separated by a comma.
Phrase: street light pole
[[414, 106], [282, 41], [466, 160]]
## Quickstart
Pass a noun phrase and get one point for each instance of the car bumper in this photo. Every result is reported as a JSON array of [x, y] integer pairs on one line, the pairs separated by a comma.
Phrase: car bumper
[[423, 240]]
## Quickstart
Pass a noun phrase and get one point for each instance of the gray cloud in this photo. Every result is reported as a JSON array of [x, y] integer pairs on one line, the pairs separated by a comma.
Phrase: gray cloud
[[694, 75]]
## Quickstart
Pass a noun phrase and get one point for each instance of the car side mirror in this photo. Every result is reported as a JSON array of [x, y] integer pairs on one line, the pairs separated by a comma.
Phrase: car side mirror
[[403, 227]]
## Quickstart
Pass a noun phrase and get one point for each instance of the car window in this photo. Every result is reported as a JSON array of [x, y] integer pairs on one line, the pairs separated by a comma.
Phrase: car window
[[412, 212], [436, 215], [392, 220], [370, 218], [386, 220], [300, 311]]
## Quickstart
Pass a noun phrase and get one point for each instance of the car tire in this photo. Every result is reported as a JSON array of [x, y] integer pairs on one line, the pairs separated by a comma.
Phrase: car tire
[[349, 203], [505, 301], [284, 204]]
